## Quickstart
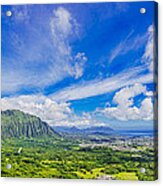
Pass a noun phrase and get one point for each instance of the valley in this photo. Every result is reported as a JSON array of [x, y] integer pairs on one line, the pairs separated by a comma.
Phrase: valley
[[77, 156]]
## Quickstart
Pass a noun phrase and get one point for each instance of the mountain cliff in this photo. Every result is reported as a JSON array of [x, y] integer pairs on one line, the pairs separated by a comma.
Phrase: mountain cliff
[[15, 123]]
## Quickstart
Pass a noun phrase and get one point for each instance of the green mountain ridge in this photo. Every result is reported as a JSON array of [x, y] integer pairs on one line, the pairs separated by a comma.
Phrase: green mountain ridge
[[15, 123]]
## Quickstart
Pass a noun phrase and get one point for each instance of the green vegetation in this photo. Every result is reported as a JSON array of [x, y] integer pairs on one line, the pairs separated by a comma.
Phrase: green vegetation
[[18, 124], [126, 176], [61, 159], [46, 154]]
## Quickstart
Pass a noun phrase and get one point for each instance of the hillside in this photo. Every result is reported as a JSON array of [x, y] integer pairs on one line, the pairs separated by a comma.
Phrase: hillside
[[15, 123]]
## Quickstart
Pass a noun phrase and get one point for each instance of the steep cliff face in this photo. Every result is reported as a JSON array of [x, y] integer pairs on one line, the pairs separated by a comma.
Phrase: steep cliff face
[[15, 123]]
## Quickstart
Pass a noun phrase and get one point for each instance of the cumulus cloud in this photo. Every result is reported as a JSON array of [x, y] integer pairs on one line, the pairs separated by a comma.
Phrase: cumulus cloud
[[125, 96], [146, 109], [83, 121], [125, 108], [38, 105], [59, 114]]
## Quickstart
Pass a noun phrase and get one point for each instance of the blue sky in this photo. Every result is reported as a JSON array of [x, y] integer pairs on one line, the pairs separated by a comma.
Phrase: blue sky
[[80, 64]]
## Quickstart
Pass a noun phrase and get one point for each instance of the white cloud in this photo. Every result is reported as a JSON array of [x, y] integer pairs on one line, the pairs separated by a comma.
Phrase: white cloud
[[124, 78], [99, 87], [146, 109], [45, 57], [134, 43], [83, 121], [63, 23], [130, 43], [78, 66], [150, 53], [60, 113], [125, 96], [38, 105], [50, 111], [125, 108]]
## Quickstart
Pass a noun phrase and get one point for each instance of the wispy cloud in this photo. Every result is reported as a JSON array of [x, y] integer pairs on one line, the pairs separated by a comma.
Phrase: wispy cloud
[[150, 50], [42, 53], [99, 87], [130, 43], [124, 78]]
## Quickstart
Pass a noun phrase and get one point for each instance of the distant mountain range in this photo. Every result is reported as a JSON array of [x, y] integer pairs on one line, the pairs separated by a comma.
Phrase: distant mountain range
[[15, 123], [103, 130]]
